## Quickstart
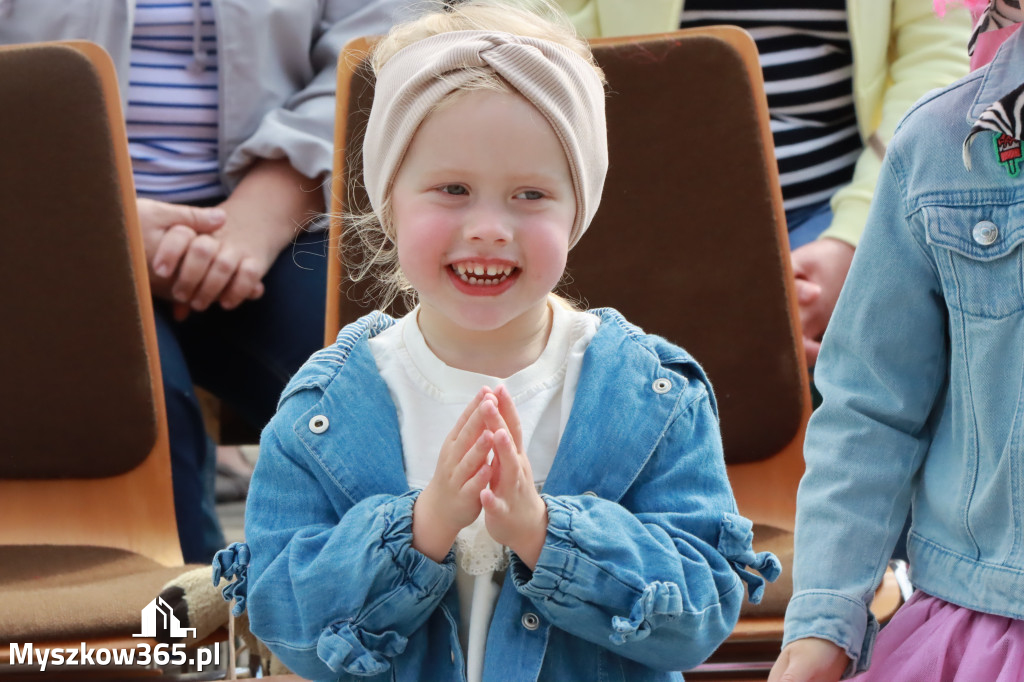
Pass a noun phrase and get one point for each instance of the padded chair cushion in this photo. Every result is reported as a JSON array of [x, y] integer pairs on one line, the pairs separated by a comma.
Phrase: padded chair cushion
[[681, 140], [53, 593], [69, 314], [776, 594]]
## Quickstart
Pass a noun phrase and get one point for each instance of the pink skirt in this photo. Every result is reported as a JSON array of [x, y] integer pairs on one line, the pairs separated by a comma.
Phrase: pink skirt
[[931, 640]]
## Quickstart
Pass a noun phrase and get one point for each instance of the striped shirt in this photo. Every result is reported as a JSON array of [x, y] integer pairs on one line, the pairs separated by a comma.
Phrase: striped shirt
[[173, 101], [806, 59]]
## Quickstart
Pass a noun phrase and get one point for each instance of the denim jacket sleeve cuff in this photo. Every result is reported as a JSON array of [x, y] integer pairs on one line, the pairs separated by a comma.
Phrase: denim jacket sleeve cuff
[[836, 617], [422, 574], [362, 646], [552, 564]]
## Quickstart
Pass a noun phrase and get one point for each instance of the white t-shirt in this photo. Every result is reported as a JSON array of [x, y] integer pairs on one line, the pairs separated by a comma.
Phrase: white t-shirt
[[430, 396]]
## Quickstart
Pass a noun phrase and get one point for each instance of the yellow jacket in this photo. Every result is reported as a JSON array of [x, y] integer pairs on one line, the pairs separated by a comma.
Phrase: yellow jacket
[[901, 50]]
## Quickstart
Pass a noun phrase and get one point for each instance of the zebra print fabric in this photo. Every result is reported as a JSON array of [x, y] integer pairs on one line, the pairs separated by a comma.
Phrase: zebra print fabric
[[998, 14], [1003, 116]]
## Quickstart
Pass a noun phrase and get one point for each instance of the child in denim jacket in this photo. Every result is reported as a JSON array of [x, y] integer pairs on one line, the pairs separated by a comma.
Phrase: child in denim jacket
[[922, 374], [386, 543]]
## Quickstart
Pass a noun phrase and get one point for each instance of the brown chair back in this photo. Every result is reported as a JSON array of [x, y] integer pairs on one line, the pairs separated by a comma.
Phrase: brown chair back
[[84, 456]]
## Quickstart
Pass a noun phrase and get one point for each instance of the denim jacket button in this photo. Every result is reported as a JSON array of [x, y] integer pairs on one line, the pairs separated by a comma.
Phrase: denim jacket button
[[985, 233], [531, 621], [319, 424], [662, 385]]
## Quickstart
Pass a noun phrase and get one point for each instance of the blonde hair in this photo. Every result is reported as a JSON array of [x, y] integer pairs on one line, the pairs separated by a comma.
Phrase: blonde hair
[[370, 249]]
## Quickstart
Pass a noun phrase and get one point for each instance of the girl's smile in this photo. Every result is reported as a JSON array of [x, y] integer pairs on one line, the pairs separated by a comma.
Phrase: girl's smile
[[484, 277]]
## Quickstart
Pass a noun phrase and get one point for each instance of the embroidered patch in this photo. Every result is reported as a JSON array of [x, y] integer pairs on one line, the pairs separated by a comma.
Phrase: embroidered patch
[[1008, 150]]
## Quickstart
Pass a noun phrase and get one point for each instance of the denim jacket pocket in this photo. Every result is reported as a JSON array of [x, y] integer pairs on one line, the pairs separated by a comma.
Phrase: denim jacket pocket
[[979, 255]]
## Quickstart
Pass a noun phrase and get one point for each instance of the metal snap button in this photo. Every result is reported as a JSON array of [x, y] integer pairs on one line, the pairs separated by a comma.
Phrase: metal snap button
[[319, 424], [590, 493], [662, 385], [531, 621], [985, 233]]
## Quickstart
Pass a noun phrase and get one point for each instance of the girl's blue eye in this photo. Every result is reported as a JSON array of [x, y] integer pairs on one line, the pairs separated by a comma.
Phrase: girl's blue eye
[[531, 194], [457, 190]]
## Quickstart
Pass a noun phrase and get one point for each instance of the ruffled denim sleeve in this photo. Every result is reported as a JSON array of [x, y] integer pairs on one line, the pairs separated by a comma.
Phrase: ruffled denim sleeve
[[333, 587], [735, 542], [658, 575], [232, 564], [364, 644]]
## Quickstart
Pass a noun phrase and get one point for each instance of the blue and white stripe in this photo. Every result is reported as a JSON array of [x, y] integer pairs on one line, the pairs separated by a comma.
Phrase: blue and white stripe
[[805, 55], [173, 101]]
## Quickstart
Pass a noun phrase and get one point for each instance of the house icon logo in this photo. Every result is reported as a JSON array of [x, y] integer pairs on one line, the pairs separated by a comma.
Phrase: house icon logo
[[158, 613]]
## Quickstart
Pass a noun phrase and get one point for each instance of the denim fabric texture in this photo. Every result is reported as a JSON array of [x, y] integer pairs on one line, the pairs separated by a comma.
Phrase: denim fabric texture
[[922, 377], [641, 575]]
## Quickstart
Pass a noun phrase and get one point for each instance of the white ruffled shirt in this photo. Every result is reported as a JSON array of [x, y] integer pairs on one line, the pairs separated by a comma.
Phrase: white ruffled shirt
[[429, 397]]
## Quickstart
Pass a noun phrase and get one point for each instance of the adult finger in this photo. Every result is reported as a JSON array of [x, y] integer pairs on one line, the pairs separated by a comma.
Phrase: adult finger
[[511, 416], [171, 249], [807, 292], [202, 220], [222, 269], [194, 265], [244, 286]]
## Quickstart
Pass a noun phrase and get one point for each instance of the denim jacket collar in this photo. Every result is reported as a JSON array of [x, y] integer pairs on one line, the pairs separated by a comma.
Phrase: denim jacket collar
[[364, 455], [1002, 76]]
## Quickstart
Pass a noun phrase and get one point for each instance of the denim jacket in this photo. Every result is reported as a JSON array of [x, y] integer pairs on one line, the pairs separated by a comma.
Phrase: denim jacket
[[922, 375], [642, 572]]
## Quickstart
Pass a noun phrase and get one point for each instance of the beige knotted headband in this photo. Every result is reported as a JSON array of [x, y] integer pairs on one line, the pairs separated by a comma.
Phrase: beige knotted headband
[[556, 80]]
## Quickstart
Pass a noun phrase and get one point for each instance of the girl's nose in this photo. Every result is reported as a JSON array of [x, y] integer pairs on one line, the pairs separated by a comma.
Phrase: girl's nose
[[488, 225]]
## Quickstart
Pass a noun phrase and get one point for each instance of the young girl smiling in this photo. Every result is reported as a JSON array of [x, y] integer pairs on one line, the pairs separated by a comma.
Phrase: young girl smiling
[[576, 522]]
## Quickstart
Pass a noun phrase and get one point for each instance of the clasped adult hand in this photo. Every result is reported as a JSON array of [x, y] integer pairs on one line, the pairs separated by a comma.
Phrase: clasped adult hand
[[809, 660], [820, 268], [167, 232], [514, 512]]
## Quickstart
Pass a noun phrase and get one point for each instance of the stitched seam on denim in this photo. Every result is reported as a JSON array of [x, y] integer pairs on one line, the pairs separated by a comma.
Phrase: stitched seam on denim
[[960, 596], [964, 82], [1015, 474], [638, 336], [897, 175], [977, 562], [830, 593], [329, 361], [973, 453]]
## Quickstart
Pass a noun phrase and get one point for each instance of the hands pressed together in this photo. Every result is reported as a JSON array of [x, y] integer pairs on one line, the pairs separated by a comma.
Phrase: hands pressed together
[[464, 483]]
